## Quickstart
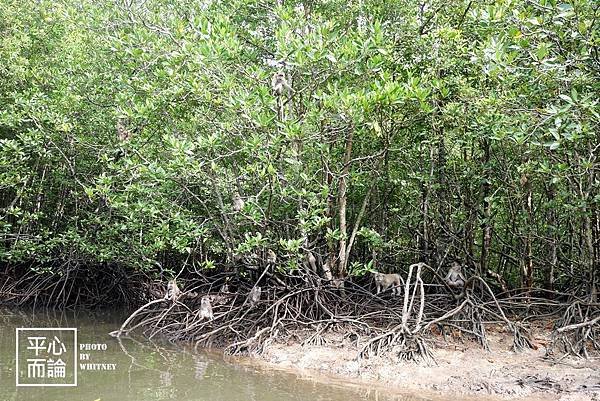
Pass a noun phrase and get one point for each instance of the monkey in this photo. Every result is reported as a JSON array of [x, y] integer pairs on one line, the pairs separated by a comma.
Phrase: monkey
[[279, 84], [238, 202], [254, 296], [280, 87], [312, 261], [122, 133], [455, 278], [205, 308], [327, 271], [271, 257], [385, 281], [224, 288], [173, 291]]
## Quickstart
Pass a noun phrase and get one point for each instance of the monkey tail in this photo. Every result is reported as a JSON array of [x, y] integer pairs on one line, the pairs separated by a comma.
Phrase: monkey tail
[[280, 108]]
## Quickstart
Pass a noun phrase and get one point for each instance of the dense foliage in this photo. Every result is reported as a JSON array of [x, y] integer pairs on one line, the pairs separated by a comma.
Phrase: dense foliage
[[417, 130]]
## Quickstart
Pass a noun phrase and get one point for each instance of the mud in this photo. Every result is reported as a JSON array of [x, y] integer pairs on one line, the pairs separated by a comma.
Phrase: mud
[[461, 368]]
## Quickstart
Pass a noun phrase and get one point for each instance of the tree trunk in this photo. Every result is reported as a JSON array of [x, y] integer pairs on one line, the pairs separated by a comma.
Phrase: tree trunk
[[330, 258], [425, 195], [342, 202], [550, 271], [528, 265], [486, 231], [589, 244]]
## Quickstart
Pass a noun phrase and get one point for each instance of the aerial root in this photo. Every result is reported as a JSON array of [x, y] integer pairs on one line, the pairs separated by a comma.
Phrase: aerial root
[[577, 332], [307, 311]]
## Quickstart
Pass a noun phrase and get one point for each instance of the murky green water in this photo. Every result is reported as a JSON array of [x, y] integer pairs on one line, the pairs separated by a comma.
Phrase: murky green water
[[147, 371]]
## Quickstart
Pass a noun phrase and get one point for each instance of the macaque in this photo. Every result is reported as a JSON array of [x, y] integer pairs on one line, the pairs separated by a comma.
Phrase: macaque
[[280, 87], [224, 288], [455, 278], [312, 261], [122, 133], [173, 291], [254, 296], [205, 311], [271, 257], [279, 84], [238, 202], [339, 284], [385, 281], [327, 271]]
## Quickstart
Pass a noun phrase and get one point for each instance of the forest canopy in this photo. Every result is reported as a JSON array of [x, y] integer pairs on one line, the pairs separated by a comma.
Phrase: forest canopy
[[431, 131]]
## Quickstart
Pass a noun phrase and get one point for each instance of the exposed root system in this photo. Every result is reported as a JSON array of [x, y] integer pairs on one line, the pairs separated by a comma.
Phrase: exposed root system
[[305, 308]]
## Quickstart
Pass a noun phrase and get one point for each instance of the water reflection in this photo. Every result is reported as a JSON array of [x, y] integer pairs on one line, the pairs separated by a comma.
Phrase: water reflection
[[200, 365], [151, 371]]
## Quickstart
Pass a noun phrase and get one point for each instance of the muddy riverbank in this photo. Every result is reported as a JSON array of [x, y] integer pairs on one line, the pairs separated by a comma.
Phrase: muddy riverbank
[[461, 368]]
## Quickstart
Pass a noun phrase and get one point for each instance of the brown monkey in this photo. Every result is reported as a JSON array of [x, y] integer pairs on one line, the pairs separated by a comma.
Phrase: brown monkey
[[312, 261], [122, 133], [205, 311], [254, 295], [271, 257], [279, 84], [385, 281], [173, 291], [280, 87], [238, 202], [455, 278]]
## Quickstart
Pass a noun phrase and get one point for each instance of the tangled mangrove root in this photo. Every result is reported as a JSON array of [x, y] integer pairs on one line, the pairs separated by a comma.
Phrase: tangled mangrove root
[[305, 309], [76, 285], [577, 332]]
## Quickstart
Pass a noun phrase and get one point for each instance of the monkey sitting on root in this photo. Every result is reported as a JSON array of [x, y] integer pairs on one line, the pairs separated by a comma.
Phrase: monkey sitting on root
[[205, 311], [455, 278], [173, 291]]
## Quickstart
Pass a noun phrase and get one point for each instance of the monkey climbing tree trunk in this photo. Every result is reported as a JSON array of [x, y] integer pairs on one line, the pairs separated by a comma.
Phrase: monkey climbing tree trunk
[[343, 199]]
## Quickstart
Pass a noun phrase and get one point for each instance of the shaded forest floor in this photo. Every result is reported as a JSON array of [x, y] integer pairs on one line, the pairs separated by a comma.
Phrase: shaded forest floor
[[460, 368]]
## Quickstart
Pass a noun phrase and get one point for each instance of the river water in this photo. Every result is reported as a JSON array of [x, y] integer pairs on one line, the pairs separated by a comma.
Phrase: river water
[[143, 370]]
